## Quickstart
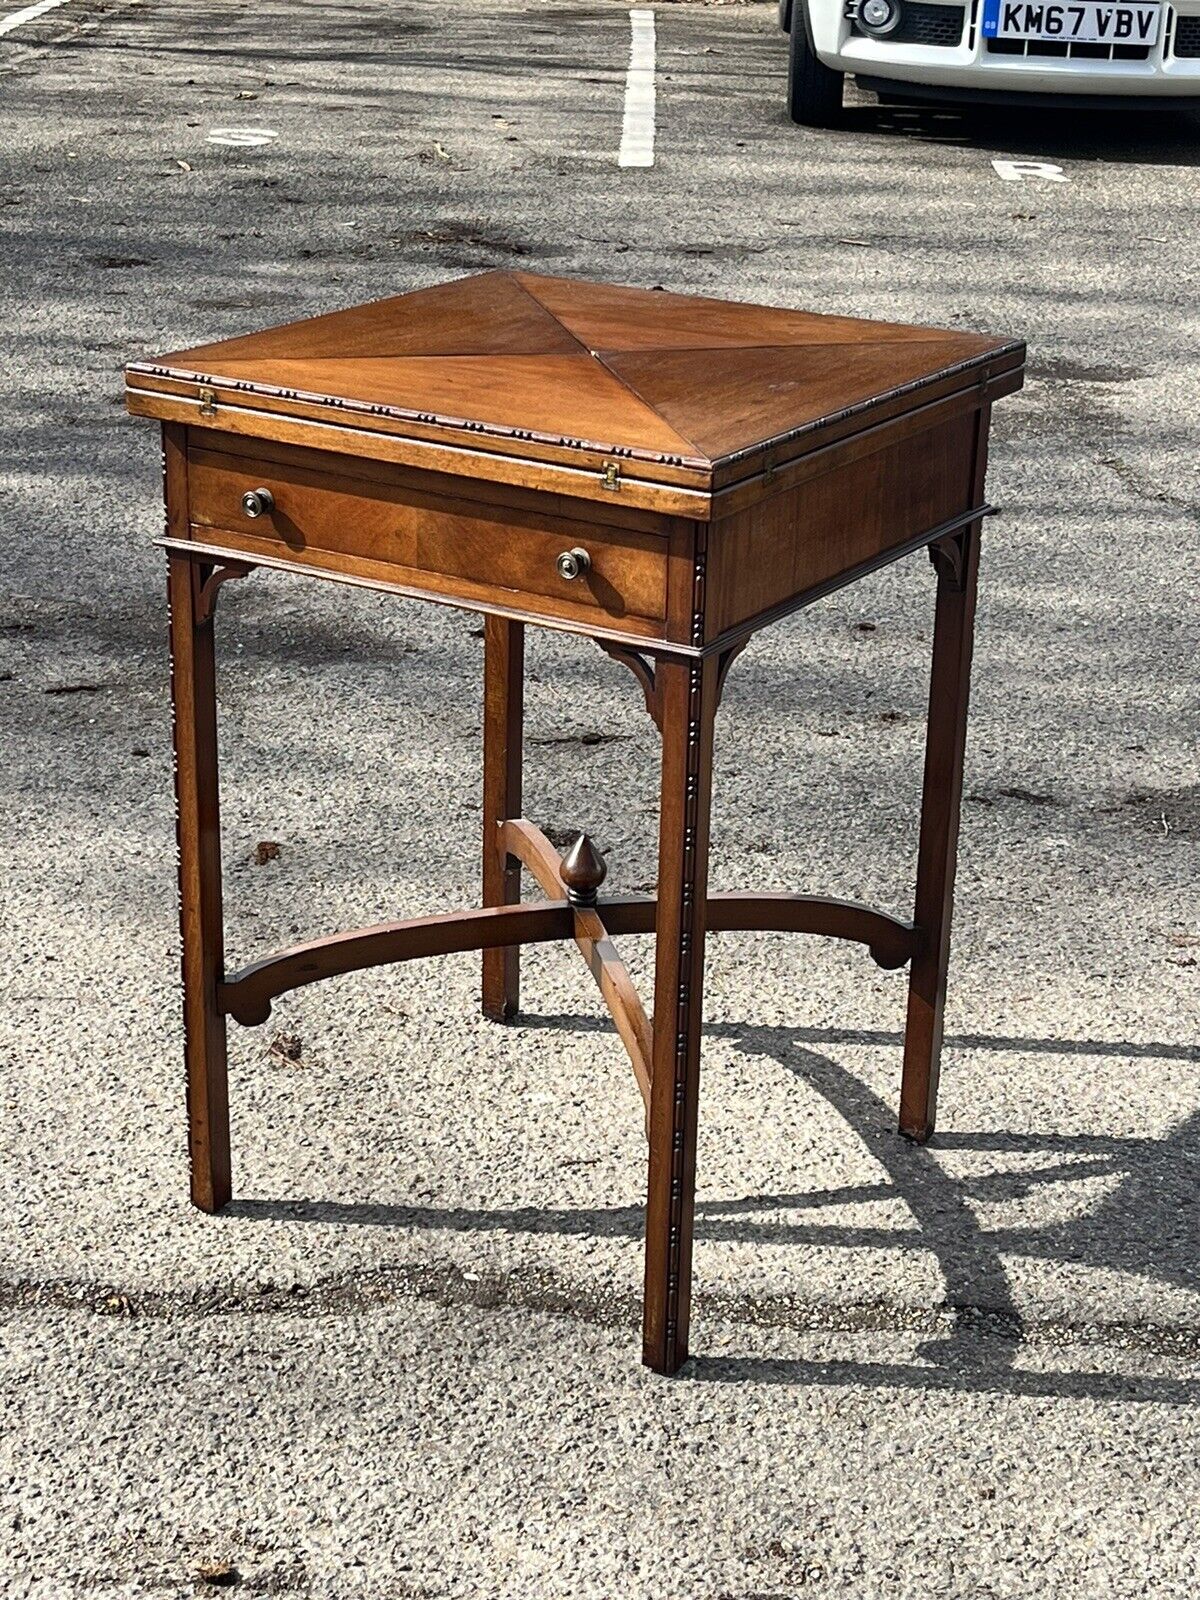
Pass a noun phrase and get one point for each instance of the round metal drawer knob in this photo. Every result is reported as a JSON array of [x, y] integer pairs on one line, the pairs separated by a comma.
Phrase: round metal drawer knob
[[258, 502], [573, 564]]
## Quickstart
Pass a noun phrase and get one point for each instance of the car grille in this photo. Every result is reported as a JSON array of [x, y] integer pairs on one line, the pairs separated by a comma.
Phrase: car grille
[[1076, 52], [941, 26]]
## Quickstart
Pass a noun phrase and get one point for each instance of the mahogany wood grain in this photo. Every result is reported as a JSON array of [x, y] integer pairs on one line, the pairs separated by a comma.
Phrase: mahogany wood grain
[[776, 395], [542, 397], [571, 375], [949, 692], [689, 702], [541, 504], [221, 546], [247, 995], [488, 313], [890, 940], [620, 996], [503, 725], [611, 317], [928, 539], [509, 461], [758, 475], [328, 516], [198, 832], [794, 542], [730, 485]]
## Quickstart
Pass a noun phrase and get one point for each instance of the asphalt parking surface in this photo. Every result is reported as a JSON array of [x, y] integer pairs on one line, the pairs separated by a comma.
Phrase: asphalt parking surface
[[404, 1362]]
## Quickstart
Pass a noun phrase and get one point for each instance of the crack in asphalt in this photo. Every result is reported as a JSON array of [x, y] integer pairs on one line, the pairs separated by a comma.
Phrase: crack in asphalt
[[451, 1287]]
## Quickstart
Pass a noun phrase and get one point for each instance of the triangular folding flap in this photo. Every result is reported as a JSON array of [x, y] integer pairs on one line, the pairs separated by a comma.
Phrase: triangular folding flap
[[486, 314], [565, 399], [765, 393], [610, 317]]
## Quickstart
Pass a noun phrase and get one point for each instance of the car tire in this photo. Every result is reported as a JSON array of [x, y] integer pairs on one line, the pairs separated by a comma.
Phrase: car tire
[[814, 90]]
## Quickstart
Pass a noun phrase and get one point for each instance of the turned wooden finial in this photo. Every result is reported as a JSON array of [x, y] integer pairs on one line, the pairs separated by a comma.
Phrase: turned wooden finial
[[583, 871]]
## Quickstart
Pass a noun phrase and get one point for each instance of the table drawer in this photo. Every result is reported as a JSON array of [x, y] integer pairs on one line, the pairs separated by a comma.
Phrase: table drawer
[[442, 544]]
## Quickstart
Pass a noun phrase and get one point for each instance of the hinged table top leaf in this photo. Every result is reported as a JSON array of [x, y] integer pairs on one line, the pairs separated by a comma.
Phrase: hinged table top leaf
[[655, 377]]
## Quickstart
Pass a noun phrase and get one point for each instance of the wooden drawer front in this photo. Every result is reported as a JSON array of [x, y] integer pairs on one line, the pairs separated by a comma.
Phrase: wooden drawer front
[[445, 545]]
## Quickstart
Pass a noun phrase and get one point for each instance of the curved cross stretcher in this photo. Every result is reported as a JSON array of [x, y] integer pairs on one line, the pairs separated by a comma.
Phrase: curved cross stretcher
[[247, 995]]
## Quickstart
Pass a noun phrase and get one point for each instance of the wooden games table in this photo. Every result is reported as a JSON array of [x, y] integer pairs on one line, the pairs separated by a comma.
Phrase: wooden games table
[[662, 474]]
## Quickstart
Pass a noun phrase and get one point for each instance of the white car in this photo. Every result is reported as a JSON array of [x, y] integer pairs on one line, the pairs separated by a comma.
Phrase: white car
[[1106, 54]]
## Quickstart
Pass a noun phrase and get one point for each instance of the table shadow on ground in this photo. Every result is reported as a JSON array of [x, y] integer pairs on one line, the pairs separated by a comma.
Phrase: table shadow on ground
[[1141, 1226]]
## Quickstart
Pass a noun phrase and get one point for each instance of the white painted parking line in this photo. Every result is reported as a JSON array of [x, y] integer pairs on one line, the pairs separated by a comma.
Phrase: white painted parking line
[[637, 133], [27, 13], [1018, 171], [241, 136]]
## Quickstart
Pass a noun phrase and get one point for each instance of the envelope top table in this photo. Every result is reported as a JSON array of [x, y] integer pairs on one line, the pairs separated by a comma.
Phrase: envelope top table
[[648, 468], [563, 383], [660, 473]]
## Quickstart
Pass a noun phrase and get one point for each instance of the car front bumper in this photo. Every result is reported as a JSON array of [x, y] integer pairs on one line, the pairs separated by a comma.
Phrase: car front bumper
[[976, 67]]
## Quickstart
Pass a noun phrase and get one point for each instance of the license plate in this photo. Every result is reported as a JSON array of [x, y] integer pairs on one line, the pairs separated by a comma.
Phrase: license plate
[[1079, 21]]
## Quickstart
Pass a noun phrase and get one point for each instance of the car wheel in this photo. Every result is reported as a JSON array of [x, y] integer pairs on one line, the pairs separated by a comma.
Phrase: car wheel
[[814, 90]]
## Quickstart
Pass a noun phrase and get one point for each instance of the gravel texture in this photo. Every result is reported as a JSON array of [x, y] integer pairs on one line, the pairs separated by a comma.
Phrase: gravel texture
[[404, 1362]]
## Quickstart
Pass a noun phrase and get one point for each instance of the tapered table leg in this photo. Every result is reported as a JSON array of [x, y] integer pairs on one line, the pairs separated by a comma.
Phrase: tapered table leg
[[941, 799], [503, 718], [689, 692], [193, 691]]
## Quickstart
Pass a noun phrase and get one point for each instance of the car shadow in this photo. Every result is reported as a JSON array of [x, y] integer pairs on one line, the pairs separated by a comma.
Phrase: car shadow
[[1169, 138]]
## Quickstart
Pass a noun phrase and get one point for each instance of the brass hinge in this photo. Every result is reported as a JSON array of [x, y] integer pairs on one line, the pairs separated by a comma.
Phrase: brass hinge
[[208, 402], [610, 478]]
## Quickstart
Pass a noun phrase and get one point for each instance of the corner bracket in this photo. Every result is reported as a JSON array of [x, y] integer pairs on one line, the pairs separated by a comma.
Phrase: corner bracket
[[948, 556], [207, 579], [642, 668]]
